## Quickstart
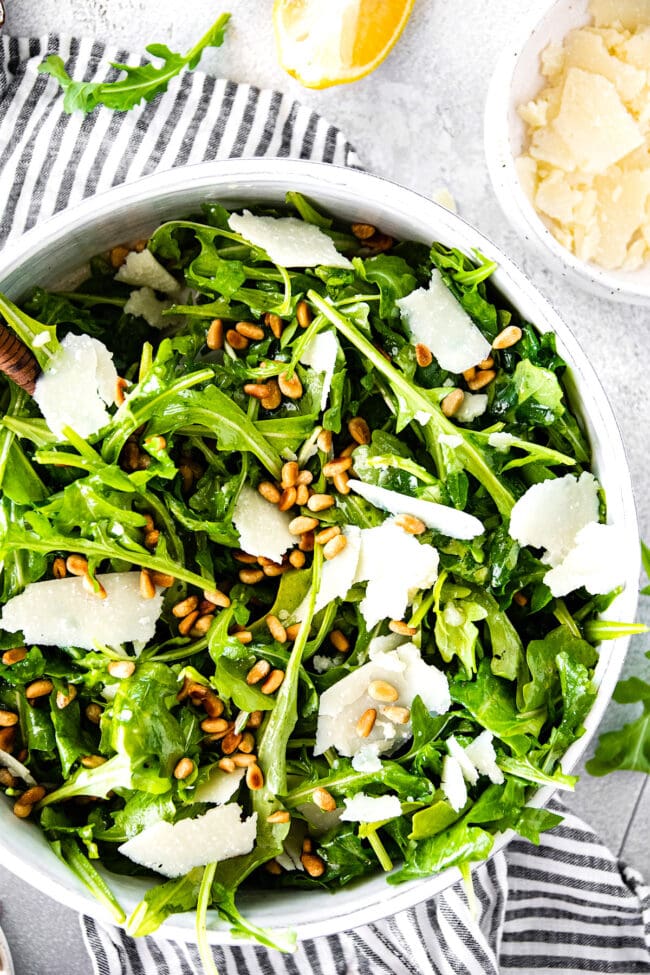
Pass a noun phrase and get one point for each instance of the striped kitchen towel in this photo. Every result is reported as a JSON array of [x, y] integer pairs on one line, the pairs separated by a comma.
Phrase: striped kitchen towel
[[565, 906]]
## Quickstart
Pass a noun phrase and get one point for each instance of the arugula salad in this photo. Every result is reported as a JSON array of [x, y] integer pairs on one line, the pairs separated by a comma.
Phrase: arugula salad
[[302, 563]]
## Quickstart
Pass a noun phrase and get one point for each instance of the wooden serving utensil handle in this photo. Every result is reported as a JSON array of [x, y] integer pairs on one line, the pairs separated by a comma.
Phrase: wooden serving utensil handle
[[16, 360]]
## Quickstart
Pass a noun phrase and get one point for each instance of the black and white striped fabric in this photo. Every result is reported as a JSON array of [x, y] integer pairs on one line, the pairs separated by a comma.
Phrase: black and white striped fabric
[[565, 906]]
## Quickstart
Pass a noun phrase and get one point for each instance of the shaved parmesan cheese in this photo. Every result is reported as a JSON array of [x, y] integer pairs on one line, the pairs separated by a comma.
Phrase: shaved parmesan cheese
[[482, 755], [370, 809], [395, 566], [263, 528], [596, 561], [501, 441], [143, 270], [76, 386], [550, 514], [16, 768], [466, 765], [384, 644], [144, 304], [320, 820], [443, 197], [288, 241], [173, 849], [627, 13], [453, 783], [440, 517], [337, 575], [451, 440], [367, 759], [219, 787], [322, 663], [320, 355], [342, 704], [436, 319], [61, 613], [473, 406]]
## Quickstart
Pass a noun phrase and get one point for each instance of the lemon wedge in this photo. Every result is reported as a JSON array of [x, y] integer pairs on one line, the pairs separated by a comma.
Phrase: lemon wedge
[[337, 41]]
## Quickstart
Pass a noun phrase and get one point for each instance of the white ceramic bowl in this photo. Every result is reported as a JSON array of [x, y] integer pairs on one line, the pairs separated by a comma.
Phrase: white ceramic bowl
[[56, 248], [516, 80]]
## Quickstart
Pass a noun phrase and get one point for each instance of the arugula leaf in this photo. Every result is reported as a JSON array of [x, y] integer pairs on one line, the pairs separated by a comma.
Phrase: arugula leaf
[[172, 897], [142, 83], [626, 748], [457, 844]]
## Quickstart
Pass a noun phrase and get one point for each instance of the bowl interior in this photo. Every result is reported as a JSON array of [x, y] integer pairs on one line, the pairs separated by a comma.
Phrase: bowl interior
[[65, 242], [517, 80]]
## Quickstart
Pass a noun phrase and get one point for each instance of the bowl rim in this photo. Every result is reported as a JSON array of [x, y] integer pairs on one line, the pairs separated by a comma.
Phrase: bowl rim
[[253, 176], [515, 204]]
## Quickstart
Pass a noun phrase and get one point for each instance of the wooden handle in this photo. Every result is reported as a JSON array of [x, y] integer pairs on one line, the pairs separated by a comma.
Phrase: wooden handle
[[16, 360]]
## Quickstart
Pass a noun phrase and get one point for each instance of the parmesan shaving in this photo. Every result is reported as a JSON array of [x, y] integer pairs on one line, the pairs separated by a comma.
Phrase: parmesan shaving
[[288, 241]]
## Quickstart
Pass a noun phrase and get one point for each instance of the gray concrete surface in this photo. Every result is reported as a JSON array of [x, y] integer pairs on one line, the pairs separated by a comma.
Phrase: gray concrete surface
[[418, 120]]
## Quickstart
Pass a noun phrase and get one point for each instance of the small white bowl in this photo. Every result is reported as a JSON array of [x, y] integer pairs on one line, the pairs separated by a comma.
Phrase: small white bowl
[[516, 80]]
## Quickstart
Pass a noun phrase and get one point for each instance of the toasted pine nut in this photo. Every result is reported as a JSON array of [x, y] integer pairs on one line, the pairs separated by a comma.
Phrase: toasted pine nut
[[366, 722], [402, 628], [250, 577], [122, 669], [288, 499], [236, 341], [292, 631], [245, 558], [7, 739], [275, 323], [226, 765], [289, 475], [307, 844], [147, 588], [120, 387], [63, 698], [162, 579], [185, 607], [334, 547], [452, 402], [14, 656], [255, 719], [302, 524], [302, 495], [349, 450], [59, 570], [94, 586], [22, 810], [256, 390], [482, 379], [260, 669], [250, 331], [212, 705], [324, 441], [410, 524], [118, 255], [359, 430], [8, 719], [380, 242], [486, 363], [290, 386], [244, 636], [469, 373], [320, 502], [337, 466], [273, 398], [215, 726], [217, 598], [243, 760], [230, 743], [324, 536], [382, 691], [247, 743], [214, 337], [520, 598], [363, 231], [202, 625], [254, 777], [306, 543], [510, 335], [272, 682], [324, 800], [269, 492], [38, 688], [276, 629], [396, 714], [94, 713], [273, 570], [273, 867], [339, 641], [341, 483], [305, 477], [279, 816], [6, 779], [76, 565], [184, 768], [313, 864], [92, 761], [303, 314], [423, 355], [188, 622]]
